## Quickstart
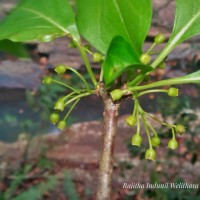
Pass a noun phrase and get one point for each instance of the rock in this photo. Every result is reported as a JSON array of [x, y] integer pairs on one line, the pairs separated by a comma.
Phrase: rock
[[164, 12], [20, 74], [6, 6], [61, 54], [84, 143]]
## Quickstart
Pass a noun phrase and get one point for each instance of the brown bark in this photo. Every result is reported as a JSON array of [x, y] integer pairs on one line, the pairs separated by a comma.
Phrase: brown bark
[[110, 118]]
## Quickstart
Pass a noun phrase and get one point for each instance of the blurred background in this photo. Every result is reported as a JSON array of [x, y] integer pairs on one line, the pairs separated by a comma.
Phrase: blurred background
[[37, 161]]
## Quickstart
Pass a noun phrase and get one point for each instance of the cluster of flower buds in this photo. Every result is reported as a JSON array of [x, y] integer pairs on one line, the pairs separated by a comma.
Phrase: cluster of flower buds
[[153, 138], [54, 118], [59, 105], [72, 98]]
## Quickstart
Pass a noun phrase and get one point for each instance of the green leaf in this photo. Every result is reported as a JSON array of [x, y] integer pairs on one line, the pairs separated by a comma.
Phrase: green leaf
[[99, 21], [69, 187], [36, 192], [120, 57], [14, 48], [39, 20], [187, 20], [186, 25], [190, 78]]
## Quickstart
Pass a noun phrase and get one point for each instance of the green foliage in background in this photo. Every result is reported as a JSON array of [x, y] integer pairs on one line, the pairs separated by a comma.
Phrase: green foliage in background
[[69, 187], [36, 192]]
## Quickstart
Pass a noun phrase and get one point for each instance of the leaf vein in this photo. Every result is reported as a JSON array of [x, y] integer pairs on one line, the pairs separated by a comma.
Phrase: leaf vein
[[46, 18]]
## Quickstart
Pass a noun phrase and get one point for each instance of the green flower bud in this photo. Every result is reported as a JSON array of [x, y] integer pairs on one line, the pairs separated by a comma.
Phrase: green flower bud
[[160, 38], [173, 92], [97, 57], [150, 154], [54, 118], [131, 120], [47, 80], [155, 141], [116, 94], [136, 140], [60, 105], [145, 59], [162, 65], [62, 125], [173, 144], [180, 129], [60, 69]]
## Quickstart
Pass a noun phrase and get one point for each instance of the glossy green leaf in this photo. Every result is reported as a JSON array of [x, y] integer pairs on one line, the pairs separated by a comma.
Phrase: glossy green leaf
[[186, 25], [15, 48], [99, 21], [187, 20], [39, 20], [190, 78], [120, 57]]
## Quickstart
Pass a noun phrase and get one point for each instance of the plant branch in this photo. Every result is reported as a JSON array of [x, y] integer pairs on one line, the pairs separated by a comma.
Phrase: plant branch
[[87, 63], [146, 129], [110, 118], [151, 91], [80, 76], [191, 78], [65, 85], [71, 108], [78, 97], [101, 74]]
